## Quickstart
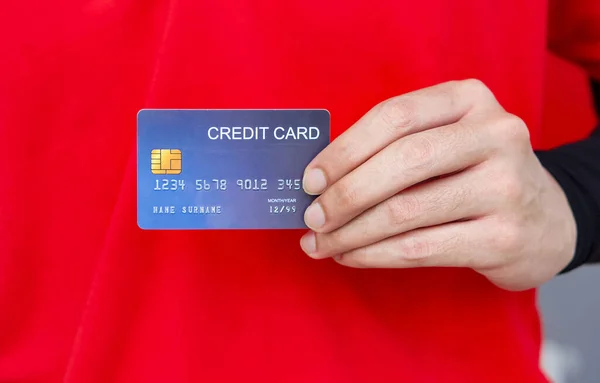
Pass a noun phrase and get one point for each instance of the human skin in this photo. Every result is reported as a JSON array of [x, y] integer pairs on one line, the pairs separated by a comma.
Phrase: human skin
[[439, 177]]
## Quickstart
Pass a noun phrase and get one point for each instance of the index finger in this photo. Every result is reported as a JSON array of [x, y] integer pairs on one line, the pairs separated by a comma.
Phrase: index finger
[[391, 120]]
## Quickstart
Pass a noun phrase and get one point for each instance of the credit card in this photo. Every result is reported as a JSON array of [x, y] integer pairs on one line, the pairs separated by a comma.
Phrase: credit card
[[226, 169]]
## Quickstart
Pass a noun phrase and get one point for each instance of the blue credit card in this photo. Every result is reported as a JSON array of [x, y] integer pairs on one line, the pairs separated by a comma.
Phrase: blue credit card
[[226, 169]]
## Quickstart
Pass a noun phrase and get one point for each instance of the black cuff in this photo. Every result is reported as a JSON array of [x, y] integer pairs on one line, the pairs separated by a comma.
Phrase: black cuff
[[574, 178], [576, 168]]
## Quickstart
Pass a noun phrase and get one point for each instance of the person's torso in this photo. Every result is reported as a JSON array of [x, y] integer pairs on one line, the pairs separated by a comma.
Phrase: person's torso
[[95, 299]]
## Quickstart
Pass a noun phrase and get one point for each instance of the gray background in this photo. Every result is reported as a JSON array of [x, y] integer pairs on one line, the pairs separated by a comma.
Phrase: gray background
[[570, 307]]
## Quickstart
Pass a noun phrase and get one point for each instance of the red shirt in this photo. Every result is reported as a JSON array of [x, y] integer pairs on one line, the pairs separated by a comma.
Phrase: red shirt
[[86, 296]]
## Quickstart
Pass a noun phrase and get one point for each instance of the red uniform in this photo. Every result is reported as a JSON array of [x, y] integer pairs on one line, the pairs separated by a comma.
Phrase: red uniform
[[86, 296]]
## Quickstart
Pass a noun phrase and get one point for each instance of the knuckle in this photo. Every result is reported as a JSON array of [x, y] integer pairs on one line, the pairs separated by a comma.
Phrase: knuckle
[[512, 131], [452, 198], [398, 113], [476, 86], [517, 131], [402, 209], [414, 248], [417, 153]]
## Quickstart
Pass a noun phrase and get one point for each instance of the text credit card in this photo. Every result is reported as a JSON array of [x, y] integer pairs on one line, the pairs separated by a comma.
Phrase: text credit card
[[226, 169]]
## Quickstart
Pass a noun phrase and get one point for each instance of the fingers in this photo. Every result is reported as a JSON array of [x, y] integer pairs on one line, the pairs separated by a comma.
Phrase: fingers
[[397, 117], [461, 196], [404, 163], [460, 244]]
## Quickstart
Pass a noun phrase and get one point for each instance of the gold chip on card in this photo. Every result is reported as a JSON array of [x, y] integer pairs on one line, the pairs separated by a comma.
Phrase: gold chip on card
[[165, 161]]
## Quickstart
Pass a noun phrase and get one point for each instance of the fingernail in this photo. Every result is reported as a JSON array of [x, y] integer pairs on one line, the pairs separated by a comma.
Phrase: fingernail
[[308, 243], [314, 181], [314, 217]]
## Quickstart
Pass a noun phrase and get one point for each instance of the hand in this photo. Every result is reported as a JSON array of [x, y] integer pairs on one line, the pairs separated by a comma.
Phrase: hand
[[440, 177]]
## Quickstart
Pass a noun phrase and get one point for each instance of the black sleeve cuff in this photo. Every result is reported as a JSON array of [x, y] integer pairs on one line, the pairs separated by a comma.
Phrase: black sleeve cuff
[[576, 168]]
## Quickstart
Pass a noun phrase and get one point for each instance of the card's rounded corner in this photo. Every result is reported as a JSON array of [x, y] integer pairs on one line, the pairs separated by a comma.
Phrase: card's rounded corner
[[139, 112], [140, 226], [327, 111]]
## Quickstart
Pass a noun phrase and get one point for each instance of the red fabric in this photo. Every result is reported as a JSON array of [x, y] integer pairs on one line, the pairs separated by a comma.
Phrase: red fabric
[[85, 296], [568, 113], [574, 32]]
